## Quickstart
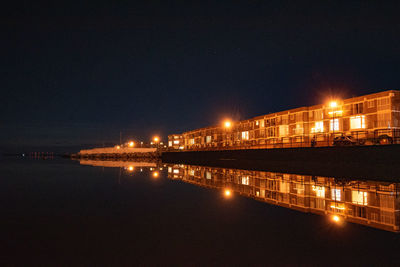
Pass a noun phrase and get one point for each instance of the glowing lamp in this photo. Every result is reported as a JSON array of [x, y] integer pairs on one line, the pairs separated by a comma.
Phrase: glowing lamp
[[118, 147], [156, 139], [155, 174], [333, 104], [131, 144], [130, 168], [227, 124]]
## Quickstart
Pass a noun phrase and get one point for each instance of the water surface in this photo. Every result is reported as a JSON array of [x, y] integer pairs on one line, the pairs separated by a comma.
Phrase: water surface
[[60, 212]]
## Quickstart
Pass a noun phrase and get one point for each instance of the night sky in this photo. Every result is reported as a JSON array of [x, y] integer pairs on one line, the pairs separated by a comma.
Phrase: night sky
[[78, 74]]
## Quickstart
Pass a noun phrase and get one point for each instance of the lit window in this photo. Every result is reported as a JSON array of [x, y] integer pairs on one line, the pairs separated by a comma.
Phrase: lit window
[[257, 123], [245, 135], [191, 141], [384, 120], [319, 127], [176, 142], [334, 125], [359, 197], [284, 187], [208, 175], [169, 169], [319, 190], [176, 170], [283, 130], [299, 128], [245, 180], [336, 194], [357, 122], [208, 139], [169, 143], [191, 172]]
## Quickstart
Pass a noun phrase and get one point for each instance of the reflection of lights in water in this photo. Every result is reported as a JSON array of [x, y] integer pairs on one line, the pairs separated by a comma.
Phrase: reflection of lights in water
[[336, 218], [155, 174], [227, 193]]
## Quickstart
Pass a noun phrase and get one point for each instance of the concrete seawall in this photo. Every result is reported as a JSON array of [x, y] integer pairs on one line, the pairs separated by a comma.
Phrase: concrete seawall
[[117, 153], [372, 162]]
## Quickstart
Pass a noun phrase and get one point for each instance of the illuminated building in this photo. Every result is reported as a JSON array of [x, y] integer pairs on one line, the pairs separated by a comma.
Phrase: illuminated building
[[364, 120], [372, 203]]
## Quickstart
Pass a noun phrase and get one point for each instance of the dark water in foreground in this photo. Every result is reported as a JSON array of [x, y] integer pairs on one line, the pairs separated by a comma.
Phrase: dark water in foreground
[[58, 212]]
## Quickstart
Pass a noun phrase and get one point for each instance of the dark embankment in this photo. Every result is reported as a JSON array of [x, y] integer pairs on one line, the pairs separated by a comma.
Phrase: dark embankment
[[368, 162]]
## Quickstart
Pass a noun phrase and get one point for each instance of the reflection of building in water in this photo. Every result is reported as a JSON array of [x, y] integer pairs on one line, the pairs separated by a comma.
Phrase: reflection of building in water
[[371, 203], [118, 163]]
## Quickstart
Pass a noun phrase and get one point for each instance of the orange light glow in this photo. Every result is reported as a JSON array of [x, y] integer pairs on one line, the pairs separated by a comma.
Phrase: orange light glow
[[336, 218], [155, 174], [131, 144], [156, 139], [130, 168], [118, 147], [227, 124], [227, 193], [333, 104]]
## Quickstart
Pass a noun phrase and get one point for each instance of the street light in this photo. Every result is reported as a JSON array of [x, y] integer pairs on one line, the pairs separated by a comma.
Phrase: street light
[[131, 144], [227, 124], [156, 139], [333, 105]]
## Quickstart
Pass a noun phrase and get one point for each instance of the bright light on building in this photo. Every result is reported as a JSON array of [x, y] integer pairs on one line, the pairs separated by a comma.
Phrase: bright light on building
[[131, 144], [156, 139], [117, 147], [227, 124], [130, 168], [333, 104]]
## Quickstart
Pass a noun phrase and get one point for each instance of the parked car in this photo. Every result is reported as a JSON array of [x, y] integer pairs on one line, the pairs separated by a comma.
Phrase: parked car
[[344, 140]]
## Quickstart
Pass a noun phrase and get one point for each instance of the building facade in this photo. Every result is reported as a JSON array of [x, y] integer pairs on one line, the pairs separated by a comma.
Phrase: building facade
[[364, 120]]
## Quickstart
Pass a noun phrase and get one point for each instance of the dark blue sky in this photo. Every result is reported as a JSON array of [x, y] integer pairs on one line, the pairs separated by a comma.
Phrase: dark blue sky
[[79, 73]]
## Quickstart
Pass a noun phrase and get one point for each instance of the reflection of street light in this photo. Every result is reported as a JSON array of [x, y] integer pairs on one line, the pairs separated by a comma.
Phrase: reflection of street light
[[227, 193], [336, 218]]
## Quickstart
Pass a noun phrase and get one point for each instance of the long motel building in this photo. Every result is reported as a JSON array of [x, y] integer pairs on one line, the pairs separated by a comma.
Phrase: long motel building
[[365, 120], [372, 203]]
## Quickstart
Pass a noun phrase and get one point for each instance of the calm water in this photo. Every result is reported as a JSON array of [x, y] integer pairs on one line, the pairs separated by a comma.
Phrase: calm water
[[61, 212]]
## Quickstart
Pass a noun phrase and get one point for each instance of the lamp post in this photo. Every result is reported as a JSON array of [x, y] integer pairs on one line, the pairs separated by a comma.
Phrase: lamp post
[[227, 126], [333, 105], [156, 139]]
